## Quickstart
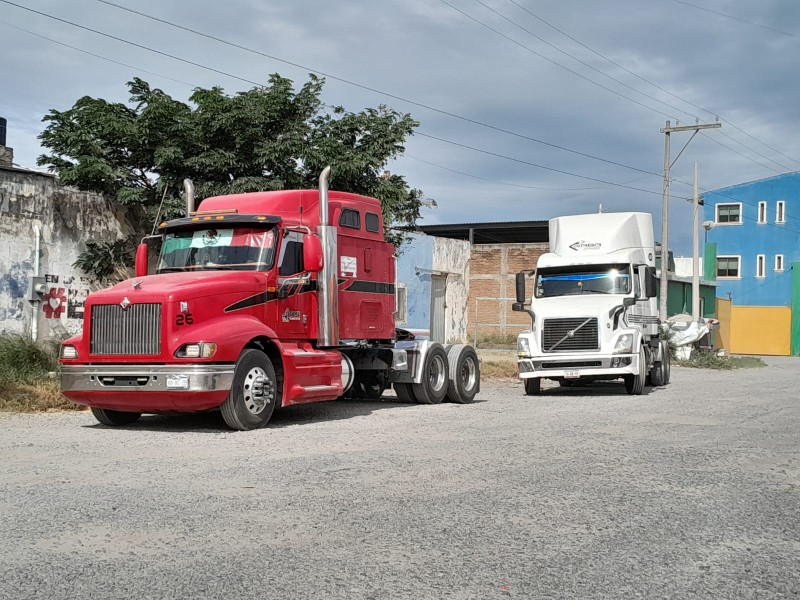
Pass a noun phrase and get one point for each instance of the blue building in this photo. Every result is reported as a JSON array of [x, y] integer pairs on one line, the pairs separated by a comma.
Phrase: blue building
[[751, 249]]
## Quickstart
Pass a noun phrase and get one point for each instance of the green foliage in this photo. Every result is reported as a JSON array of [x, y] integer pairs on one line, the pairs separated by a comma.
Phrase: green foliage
[[105, 259], [23, 361], [710, 360], [266, 138]]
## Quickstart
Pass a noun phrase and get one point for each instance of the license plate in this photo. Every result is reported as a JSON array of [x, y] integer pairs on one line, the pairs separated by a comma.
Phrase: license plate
[[572, 374]]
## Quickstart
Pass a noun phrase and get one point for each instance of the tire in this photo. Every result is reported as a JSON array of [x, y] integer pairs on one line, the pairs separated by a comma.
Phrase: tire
[[533, 386], [254, 392], [373, 391], [659, 374], [114, 418], [435, 377], [635, 384], [465, 373], [666, 362], [404, 392]]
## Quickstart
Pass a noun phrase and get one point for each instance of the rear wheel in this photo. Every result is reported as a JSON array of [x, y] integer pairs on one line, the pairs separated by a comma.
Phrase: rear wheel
[[532, 386], [433, 387], [404, 392], [666, 362], [254, 393], [114, 418], [465, 373], [634, 384]]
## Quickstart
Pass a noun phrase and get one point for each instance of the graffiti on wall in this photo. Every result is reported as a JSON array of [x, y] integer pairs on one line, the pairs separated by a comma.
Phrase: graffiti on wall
[[66, 296]]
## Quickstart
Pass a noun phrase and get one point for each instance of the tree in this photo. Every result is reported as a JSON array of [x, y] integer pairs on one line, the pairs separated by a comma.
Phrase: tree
[[268, 138]]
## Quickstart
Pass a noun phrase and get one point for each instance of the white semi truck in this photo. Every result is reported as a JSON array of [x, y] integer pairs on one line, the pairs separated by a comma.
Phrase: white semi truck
[[593, 309]]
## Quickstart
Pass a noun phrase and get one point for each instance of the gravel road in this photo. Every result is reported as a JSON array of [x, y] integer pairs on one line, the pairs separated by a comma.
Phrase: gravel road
[[690, 491]]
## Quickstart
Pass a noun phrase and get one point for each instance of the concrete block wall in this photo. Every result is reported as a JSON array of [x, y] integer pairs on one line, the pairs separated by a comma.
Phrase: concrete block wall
[[493, 271], [65, 218]]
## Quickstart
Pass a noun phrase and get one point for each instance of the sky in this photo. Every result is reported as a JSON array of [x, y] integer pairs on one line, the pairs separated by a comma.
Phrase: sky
[[527, 110]]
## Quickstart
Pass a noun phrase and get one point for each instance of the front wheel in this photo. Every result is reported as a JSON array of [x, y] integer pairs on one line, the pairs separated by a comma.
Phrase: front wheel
[[254, 393], [533, 386], [114, 418], [634, 384]]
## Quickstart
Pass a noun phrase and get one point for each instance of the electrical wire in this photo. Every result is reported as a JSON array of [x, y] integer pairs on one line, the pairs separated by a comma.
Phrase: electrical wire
[[645, 80]]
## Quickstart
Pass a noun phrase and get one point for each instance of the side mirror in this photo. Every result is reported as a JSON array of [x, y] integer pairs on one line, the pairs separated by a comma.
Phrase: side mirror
[[628, 301], [520, 288], [141, 260], [312, 253], [651, 282]]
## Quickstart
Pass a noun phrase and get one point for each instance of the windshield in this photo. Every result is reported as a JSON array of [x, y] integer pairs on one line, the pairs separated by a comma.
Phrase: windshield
[[240, 249], [597, 279]]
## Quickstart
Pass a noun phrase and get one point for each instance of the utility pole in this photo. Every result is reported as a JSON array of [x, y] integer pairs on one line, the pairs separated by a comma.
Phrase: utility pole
[[662, 309], [695, 254]]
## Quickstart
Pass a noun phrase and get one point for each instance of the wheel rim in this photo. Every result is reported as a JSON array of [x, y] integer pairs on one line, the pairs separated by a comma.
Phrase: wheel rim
[[468, 374], [436, 378], [257, 390]]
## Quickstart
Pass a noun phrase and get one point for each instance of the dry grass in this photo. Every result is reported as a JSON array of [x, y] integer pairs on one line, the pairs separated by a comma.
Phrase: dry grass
[[41, 396]]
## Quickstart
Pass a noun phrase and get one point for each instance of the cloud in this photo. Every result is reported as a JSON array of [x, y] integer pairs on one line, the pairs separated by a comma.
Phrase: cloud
[[428, 52]]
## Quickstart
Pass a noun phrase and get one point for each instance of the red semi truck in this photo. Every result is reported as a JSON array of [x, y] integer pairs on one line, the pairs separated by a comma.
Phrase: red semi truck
[[257, 302]]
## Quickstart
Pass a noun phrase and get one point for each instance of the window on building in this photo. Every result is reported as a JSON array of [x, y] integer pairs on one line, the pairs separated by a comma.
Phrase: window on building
[[780, 212], [761, 265], [729, 213], [762, 212], [401, 304], [779, 262], [728, 266]]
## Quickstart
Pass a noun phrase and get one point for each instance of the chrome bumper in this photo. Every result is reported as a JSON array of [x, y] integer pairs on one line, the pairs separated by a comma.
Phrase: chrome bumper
[[586, 366], [152, 378]]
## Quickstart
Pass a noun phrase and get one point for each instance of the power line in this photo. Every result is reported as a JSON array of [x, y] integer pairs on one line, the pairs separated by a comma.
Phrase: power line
[[236, 77], [538, 166], [412, 102], [111, 60], [655, 85], [727, 16], [598, 71], [517, 185], [377, 91], [314, 71]]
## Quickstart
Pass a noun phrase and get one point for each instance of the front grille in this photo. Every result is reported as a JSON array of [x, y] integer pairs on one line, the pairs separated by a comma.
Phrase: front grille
[[136, 330], [584, 334]]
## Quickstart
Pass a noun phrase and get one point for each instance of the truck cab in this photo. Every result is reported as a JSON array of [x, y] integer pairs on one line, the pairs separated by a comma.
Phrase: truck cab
[[256, 301], [593, 305]]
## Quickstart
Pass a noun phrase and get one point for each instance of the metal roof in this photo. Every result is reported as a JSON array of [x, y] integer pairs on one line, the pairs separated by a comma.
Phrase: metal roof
[[503, 232]]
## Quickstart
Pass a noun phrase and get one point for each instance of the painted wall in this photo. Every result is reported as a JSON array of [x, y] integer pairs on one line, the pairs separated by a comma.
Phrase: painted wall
[[453, 258], [65, 218], [427, 255], [761, 330], [750, 238]]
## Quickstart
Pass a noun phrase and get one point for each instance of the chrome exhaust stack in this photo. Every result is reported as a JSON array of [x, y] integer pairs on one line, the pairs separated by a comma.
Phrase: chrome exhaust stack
[[327, 281], [188, 188]]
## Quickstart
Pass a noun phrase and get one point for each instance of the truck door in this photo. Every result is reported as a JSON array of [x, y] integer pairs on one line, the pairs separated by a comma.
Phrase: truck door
[[294, 299]]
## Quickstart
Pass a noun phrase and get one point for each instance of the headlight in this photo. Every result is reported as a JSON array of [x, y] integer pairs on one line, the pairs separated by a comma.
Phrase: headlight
[[69, 352], [199, 350], [523, 346], [624, 344]]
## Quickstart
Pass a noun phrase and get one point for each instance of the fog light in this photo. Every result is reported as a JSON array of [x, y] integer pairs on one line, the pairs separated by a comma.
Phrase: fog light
[[69, 352], [614, 363]]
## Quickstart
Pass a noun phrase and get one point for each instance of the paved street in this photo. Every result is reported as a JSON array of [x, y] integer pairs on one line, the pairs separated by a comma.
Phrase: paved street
[[692, 491]]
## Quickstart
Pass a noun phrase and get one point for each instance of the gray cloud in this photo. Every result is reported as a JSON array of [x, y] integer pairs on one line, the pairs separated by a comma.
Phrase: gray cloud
[[425, 51]]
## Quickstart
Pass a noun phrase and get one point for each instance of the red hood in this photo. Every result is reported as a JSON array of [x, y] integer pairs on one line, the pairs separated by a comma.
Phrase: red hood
[[171, 287]]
